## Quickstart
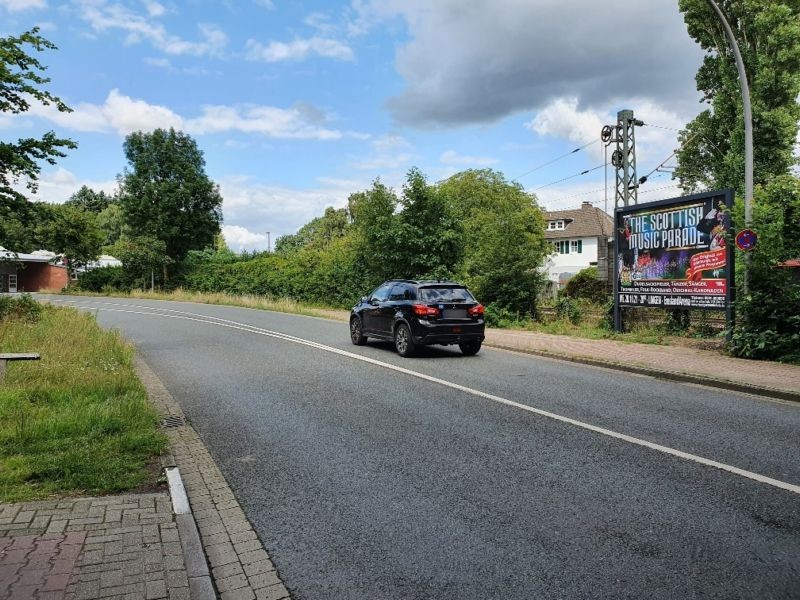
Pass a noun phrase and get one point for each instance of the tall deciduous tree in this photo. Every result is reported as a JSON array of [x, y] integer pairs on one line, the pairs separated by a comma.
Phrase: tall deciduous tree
[[375, 230], [87, 199], [21, 81], [429, 240], [768, 34], [166, 193], [503, 238], [72, 232]]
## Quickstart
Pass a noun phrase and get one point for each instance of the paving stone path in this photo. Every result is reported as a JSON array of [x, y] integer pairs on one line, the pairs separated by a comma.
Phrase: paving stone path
[[110, 547]]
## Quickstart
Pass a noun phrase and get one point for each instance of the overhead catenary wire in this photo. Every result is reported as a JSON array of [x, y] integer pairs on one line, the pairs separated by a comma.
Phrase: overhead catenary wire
[[644, 179], [556, 159], [570, 177]]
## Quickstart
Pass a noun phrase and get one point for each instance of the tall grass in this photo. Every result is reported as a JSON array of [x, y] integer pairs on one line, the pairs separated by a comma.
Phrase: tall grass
[[78, 420], [285, 305]]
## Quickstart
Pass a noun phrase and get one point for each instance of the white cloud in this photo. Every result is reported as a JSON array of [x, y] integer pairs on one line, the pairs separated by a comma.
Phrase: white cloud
[[390, 151], [20, 5], [240, 238], [268, 4], [122, 114], [563, 118], [154, 9], [298, 49], [57, 185], [103, 16], [285, 123], [451, 157], [278, 209]]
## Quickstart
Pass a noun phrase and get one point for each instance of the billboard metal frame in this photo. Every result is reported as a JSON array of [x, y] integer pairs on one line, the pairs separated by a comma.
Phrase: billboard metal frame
[[726, 196]]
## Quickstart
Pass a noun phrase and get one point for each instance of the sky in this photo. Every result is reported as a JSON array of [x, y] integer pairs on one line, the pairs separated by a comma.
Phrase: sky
[[298, 104]]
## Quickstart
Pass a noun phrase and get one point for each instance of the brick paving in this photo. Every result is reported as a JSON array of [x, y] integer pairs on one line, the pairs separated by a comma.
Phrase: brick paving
[[123, 546], [241, 568]]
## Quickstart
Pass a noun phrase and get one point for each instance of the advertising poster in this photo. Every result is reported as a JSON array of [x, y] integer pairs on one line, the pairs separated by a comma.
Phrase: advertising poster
[[674, 253]]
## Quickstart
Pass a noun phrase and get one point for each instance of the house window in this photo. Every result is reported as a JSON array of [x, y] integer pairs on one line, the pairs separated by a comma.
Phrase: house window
[[562, 247], [576, 247], [554, 225]]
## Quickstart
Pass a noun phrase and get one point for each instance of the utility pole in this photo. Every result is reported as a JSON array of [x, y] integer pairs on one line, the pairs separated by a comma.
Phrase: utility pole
[[624, 156], [269, 244], [623, 134], [748, 132]]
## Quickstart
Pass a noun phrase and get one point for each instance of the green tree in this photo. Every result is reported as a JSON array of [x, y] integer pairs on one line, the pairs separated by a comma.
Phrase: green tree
[[111, 221], [503, 238], [768, 34], [143, 257], [74, 233], [770, 313], [87, 199], [166, 193], [317, 233], [375, 230], [21, 81], [429, 242]]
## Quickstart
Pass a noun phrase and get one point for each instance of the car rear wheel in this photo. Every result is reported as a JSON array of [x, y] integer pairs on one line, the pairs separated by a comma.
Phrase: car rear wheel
[[470, 348], [356, 335], [403, 342]]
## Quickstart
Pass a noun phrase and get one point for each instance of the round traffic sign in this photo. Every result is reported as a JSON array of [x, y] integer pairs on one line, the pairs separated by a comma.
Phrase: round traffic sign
[[746, 239]]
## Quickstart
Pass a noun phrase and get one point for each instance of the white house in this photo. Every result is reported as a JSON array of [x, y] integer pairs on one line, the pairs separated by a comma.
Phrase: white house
[[579, 237]]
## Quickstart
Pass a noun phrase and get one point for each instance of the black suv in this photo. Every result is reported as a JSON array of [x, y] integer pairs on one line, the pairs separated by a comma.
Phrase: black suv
[[419, 313]]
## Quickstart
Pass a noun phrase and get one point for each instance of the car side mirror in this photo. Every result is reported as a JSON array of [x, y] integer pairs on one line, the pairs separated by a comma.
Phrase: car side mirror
[[364, 299], [374, 301]]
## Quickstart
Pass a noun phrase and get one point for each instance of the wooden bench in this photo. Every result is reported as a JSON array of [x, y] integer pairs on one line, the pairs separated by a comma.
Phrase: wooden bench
[[15, 356]]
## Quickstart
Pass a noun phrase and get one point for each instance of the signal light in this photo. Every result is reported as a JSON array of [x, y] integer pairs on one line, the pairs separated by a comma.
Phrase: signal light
[[476, 311], [425, 311]]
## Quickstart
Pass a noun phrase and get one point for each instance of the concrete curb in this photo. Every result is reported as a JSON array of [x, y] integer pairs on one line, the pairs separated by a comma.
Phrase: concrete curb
[[659, 374], [200, 585]]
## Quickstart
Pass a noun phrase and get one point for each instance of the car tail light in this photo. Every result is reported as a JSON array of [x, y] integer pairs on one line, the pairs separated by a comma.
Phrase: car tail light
[[425, 311], [476, 311]]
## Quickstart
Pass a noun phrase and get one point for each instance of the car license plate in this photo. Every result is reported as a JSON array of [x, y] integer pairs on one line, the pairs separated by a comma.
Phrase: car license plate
[[454, 313]]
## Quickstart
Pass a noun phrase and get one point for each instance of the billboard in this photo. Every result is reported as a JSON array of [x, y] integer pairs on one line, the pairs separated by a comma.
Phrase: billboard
[[674, 253]]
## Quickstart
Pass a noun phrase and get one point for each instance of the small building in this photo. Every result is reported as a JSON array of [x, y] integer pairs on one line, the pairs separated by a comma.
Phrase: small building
[[31, 272], [579, 238]]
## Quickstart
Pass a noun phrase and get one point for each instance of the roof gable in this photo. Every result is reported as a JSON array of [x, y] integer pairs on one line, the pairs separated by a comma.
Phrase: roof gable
[[586, 221]]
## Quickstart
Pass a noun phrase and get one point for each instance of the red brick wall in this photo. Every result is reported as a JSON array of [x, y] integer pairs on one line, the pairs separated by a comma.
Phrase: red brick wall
[[41, 276]]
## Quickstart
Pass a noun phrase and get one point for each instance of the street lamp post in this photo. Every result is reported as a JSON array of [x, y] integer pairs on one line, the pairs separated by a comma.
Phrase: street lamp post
[[748, 131]]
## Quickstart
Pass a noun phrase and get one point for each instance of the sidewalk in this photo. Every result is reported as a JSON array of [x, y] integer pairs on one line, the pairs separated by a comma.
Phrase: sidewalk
[[704, 367], [115, 546]]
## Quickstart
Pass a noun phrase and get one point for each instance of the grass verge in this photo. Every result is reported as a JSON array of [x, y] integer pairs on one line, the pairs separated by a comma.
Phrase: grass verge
[[77, 421]]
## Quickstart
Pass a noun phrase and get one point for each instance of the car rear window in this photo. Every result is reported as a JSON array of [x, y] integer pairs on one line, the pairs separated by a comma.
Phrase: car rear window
[[445, 294]]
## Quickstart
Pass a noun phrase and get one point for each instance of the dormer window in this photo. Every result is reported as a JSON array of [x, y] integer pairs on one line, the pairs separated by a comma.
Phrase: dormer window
[[555, 225]]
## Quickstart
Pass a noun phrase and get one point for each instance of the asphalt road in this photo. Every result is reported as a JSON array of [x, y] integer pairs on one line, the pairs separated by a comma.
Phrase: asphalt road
[[368, 482]]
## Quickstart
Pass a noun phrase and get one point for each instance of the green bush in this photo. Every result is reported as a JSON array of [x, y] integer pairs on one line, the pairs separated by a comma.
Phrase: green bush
[[585, 285], [568, 310], [20, 308], [104, 278]]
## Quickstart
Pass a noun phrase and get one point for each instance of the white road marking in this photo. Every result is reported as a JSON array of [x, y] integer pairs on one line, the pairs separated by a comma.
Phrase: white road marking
[[588, 426]]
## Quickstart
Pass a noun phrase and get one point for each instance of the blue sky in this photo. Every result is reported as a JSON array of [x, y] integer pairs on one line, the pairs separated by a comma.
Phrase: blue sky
[[298, 104]]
